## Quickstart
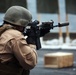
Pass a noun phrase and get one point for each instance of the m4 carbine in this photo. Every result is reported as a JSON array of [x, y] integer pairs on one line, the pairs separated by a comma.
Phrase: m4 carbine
[[40, 30]]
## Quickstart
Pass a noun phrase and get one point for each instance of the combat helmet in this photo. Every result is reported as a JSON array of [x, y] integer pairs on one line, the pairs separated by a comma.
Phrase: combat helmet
[[18, 15]]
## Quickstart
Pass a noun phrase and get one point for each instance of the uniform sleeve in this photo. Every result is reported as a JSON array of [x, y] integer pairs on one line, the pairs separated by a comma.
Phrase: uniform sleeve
[[25, 54]]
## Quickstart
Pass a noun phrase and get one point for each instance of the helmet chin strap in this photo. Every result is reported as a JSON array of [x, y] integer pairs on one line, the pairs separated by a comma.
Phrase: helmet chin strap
[[20, 28]]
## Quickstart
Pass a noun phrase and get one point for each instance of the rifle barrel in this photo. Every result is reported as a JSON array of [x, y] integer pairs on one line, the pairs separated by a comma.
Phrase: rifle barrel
[[63, 24]]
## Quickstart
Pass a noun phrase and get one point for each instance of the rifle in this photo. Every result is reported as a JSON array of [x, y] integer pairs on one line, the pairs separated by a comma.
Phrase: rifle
[[42, 29]]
